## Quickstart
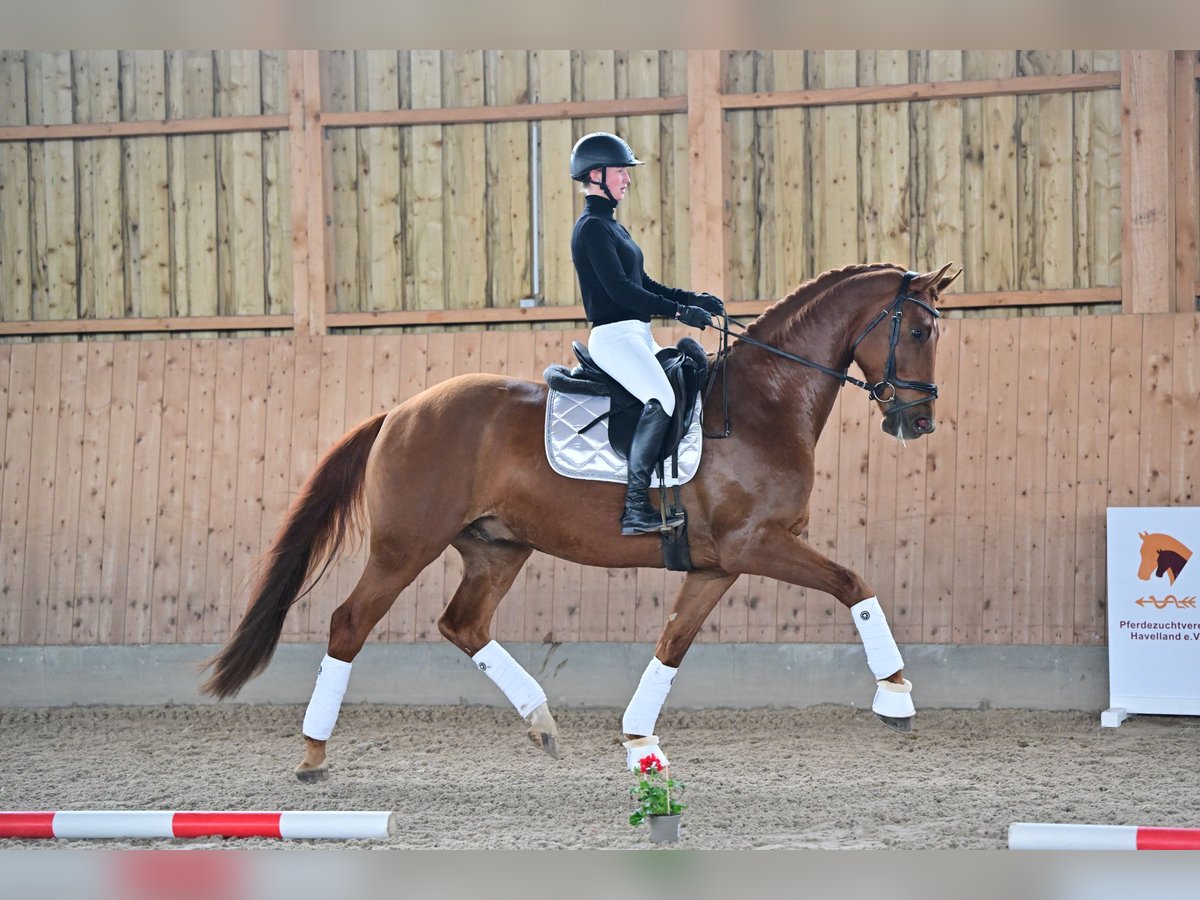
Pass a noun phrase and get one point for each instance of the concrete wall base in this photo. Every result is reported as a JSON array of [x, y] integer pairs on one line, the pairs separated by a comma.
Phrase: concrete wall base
[[580, 675]]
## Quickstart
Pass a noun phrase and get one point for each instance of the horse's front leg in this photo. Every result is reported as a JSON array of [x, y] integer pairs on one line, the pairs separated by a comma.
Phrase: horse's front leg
[[699, 593], [777, 553]]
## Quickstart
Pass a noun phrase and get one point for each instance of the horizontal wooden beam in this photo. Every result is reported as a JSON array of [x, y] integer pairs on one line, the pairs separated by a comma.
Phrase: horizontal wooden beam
[[157, 127], [146, 325], [946, 90], [491, 316], [524, 112]]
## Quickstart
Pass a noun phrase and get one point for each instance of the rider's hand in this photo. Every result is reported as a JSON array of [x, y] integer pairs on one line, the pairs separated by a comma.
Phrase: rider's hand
[[708, 303], [694, 316]]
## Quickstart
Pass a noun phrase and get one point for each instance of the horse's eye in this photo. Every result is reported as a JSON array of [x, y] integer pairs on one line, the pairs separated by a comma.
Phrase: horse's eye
[[918, 334]]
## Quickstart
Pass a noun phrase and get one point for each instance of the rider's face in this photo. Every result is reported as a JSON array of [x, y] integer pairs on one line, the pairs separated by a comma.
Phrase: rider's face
[[617, 178]]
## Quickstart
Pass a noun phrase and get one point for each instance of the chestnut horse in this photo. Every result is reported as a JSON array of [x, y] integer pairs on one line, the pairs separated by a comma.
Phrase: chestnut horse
[[464, 464]]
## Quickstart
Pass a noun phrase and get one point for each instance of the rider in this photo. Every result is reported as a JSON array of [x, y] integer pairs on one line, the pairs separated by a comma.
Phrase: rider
[[619, 299]]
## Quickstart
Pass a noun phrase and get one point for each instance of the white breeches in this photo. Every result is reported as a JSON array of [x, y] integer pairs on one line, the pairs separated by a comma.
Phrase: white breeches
[[625, 350]]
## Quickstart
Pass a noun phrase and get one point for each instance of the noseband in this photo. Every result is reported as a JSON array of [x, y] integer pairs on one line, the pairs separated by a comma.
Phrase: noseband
[[884, 391]]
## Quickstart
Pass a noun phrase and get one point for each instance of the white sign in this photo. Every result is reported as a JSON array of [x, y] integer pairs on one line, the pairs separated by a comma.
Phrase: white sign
[[1153, 619]]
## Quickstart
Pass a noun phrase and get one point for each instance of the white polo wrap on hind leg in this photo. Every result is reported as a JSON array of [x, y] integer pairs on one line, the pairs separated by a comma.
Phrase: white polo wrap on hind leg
[[883, 656], [518, 685], [647, 701], [332, 677]]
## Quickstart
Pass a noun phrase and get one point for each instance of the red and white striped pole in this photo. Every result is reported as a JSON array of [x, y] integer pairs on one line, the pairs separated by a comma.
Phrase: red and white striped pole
[[98, 824], [1045, 836]]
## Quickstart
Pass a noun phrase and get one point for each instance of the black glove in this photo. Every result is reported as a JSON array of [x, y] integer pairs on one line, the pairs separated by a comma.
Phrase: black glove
[[694, 316], [708, 303]]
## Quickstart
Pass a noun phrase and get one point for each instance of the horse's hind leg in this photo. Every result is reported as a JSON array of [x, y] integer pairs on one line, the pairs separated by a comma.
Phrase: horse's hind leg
[[349, 626], [489, 567]]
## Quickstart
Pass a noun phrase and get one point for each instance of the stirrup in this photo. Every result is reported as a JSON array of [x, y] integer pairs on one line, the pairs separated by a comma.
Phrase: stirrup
[[648, 521]]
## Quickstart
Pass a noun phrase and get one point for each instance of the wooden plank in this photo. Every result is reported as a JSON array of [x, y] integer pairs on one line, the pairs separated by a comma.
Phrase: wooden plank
[[147, 199], [508, 207], [197, 491], [1029, 487], [465, 165], [511, 112], [143, 516], [277, 453], [1185, 411], [707, 167], [142, 128], [939, 548], [638, 76], [18, 367], [277, 188], [358, 406], [884, 155], [1185, 165], [999, 529], [240, 204], [740, 181], [1098, 136], [225, 595], [338, 93], [970, 516], [1148, 196], [1157, 402], [834, 151], [62, 609], [35, 590], [93, 496], [149, 325], [960, 89], [1044, 183], [98, 175], [54, 240], [382, 265], [304, 453], [677, 255], [16, 278], [193, 174], [331, 425], [938, 212], [424, 194], [550, 74], [1125, 411], [990, 177], [793, 229], [1089, 617], [1062, 465], [432, 589], [113, 579], [172, 473], [251, 441]]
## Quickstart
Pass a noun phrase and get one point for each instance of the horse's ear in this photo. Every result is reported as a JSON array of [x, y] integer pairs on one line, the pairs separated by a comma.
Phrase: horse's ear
[[934, 280]]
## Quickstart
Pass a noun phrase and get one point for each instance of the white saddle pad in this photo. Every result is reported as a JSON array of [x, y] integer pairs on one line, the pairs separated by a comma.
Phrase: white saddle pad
[[589, 455]]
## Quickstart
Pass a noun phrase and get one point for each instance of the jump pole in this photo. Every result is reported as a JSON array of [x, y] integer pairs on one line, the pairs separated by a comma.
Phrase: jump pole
[[1044, 836], [130, 824]]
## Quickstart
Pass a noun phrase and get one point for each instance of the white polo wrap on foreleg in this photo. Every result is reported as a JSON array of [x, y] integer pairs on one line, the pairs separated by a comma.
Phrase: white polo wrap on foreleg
[[518, 685], [332, 677], [883, 656], [647, 701]]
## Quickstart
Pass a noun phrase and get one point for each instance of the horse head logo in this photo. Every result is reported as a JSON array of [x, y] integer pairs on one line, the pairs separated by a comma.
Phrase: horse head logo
[[1162, 555]]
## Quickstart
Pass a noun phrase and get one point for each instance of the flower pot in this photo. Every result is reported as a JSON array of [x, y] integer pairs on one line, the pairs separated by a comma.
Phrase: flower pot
[[664, 829]]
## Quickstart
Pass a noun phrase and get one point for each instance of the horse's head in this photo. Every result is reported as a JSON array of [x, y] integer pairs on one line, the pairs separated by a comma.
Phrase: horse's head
[[895, 350]]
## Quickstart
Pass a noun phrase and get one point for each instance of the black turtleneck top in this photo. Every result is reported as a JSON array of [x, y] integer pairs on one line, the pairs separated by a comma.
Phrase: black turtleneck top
[[614, 285]]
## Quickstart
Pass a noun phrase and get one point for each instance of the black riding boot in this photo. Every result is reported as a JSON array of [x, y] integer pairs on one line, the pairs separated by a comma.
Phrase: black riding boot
[[640, 517]]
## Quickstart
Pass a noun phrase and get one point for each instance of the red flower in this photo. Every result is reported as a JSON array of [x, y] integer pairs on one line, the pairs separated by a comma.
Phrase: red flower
[[650, 762]]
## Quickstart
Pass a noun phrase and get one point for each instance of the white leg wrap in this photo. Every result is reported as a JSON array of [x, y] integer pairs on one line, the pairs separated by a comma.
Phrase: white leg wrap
[[894, 700], [647, 701], [518, 685], [332, 677], [638, 749], [883, 656]]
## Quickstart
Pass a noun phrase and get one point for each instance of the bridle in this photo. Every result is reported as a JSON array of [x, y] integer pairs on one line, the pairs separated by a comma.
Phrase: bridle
[[884, 391]]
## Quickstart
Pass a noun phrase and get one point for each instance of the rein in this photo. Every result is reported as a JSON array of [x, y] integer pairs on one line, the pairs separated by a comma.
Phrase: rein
[[875, 391]]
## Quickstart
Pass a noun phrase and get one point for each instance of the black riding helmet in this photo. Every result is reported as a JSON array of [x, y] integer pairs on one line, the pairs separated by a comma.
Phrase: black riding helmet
[[599, 150]]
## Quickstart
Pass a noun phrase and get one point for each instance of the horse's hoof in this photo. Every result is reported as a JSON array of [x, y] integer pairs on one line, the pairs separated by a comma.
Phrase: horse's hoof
[[899, 725], [312, 774], [547, 743]]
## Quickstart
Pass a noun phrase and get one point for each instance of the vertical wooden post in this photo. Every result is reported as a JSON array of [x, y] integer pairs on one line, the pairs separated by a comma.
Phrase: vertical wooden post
[[308, 192], [706, 175], [1185, 180], [1148, 248]]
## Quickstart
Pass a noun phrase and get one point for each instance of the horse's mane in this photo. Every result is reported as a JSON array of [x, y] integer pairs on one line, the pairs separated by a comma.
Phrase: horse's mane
[[785, 316]]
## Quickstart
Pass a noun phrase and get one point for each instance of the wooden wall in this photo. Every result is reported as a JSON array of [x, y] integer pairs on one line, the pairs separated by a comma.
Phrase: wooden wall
[[142, 478]]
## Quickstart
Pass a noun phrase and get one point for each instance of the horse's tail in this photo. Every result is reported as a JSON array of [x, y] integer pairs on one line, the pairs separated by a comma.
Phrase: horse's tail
[[328, 508]]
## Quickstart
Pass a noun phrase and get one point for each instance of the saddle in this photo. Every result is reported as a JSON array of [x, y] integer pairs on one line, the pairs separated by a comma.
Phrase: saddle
[[585, 397], [686, 367]]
